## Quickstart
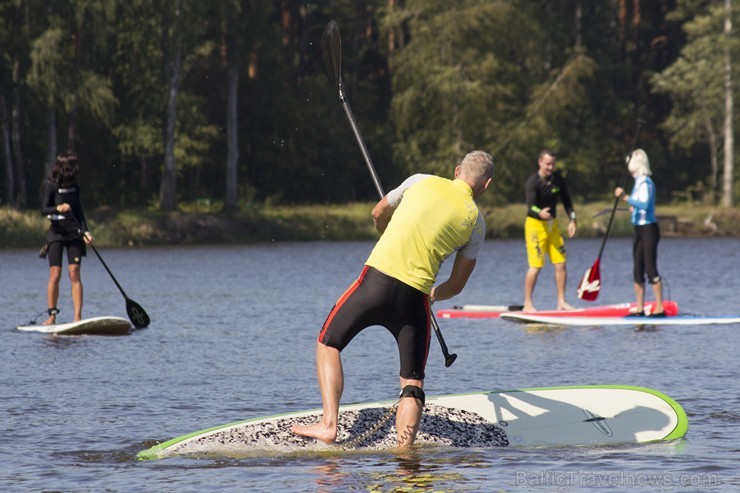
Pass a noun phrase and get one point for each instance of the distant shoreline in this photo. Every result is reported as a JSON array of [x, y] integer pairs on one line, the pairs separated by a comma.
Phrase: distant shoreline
[[342, 222]]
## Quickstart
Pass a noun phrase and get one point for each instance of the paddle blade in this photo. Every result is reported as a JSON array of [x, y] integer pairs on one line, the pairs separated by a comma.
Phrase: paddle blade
[[591, 283], [136, 314], [331, 48]]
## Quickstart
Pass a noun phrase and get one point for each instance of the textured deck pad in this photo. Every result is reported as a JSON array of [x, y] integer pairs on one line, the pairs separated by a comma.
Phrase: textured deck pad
[[439, 425]]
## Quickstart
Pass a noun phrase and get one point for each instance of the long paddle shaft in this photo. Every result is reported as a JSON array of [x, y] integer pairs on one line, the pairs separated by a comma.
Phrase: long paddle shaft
[[331, 46], [136, 313], [591, 282]]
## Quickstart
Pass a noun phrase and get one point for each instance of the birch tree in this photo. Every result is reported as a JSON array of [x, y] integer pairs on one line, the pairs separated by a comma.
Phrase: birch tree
[[700, 85]]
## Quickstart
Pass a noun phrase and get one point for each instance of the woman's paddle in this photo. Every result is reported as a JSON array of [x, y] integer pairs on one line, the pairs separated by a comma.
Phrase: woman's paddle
[[591, 283], [331, 46], [135, 312]]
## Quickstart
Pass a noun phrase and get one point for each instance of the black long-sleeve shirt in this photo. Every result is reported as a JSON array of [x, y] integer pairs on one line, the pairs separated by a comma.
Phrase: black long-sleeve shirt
[[63, 227], [541, 193]]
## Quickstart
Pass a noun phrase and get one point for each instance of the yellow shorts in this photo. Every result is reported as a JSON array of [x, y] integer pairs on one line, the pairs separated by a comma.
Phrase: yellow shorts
[[543, 238]]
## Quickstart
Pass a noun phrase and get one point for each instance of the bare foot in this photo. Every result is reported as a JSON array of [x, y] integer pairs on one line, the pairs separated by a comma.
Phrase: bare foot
[[52, 320], [529, 308], [565, 306], [327, 434]]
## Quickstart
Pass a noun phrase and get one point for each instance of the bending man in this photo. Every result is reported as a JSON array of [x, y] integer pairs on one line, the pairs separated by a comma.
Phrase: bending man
[[422, 222]]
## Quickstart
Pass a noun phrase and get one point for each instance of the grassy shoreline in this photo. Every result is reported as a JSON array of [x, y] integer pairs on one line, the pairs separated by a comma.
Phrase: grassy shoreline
[[342, 222]]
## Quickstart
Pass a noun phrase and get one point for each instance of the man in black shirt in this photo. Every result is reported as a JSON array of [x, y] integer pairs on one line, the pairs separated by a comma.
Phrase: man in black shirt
[[541, 228]]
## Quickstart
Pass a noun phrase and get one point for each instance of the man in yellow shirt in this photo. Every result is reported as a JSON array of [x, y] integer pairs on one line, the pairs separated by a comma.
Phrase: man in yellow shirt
[[422, 222]]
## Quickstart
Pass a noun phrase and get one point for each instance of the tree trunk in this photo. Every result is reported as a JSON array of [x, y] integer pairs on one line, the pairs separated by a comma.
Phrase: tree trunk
[[232, 136], [72, 129], [728, 183], [578, 27], [51, 155], [72, 123], [21, 197], [168, 188], [7, 156], [712, 142]]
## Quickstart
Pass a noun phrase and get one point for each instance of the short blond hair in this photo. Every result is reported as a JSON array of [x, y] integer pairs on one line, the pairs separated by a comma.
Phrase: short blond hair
[[638, 163], [477, 166]]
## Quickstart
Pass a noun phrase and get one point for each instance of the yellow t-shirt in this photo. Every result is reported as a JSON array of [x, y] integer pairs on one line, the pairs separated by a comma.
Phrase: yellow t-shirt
[[434, 217]]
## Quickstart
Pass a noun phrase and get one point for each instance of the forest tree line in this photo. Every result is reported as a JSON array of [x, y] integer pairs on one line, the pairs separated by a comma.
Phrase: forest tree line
[[172, 101]]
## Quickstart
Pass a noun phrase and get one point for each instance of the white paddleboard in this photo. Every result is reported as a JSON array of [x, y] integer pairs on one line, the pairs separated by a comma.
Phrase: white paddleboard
[[558, 416], [534, 318], [89, 326]]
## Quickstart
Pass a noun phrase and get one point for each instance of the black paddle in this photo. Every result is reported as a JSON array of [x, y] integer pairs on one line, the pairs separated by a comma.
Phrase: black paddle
[[590, 285], [331, 46], [135, 312]]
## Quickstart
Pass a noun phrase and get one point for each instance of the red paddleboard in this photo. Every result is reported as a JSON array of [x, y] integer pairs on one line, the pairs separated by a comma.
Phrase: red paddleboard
[[615, 310]]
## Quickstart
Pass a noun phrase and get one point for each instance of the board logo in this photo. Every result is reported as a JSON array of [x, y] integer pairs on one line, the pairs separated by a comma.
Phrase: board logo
[[597, 421], [589, 287]]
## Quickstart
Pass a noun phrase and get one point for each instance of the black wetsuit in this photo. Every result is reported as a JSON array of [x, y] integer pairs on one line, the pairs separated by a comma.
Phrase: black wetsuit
[[541, 193], [65, 229]]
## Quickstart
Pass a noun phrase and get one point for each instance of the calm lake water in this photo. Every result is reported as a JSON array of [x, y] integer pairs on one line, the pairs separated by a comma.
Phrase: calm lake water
[[232, 337]]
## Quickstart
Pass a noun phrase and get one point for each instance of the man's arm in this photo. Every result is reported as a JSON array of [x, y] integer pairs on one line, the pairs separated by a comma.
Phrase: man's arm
[[383, 210], [461, 271], [382, 213], [568, 204], [530, 195]]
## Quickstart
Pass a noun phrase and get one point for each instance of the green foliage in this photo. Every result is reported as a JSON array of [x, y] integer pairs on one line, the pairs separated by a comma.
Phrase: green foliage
[[49, 68], [452, 85], [692, 82], [428, 81]]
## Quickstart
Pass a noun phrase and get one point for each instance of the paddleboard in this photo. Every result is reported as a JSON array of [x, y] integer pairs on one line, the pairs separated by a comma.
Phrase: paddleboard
[[110, 326], [496, 311], [557, 416], [536, 318]]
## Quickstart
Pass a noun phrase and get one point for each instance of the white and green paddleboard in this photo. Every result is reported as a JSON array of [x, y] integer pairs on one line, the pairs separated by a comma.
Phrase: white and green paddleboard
[[109, 326], [559, 416]]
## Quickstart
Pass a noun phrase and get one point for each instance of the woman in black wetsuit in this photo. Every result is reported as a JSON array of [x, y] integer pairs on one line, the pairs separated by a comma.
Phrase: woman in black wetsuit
[[61, 204]]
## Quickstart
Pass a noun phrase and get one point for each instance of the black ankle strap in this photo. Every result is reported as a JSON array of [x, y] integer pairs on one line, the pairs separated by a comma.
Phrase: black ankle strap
[[413, 391], [53, 311]]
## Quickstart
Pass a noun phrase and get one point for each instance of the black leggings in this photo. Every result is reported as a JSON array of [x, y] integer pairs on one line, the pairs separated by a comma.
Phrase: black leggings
[[645, 253]]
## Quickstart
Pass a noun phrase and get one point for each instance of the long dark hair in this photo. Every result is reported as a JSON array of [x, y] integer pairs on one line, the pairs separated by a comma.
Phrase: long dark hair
[[65, 170]]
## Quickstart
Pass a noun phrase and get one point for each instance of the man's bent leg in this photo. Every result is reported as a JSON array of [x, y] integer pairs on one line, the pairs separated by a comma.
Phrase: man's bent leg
[[331, 382], [408, 415]]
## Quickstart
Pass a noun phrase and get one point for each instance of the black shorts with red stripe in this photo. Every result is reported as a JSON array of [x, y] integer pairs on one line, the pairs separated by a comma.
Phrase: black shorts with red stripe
[[378, 299]]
